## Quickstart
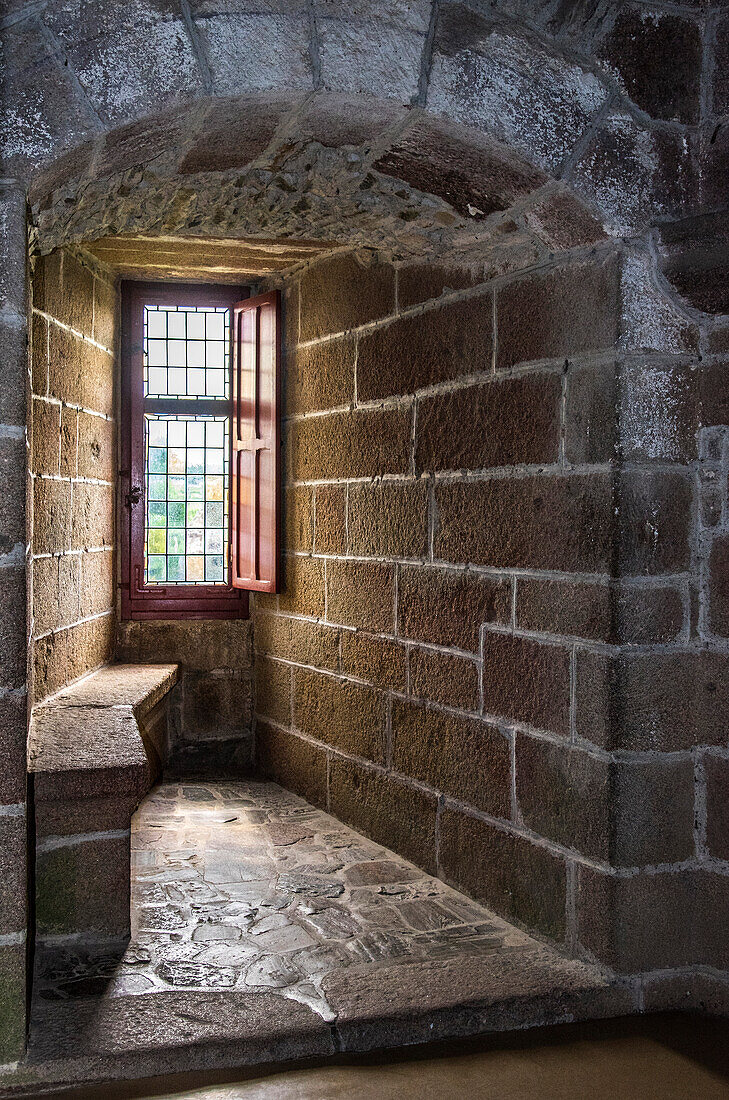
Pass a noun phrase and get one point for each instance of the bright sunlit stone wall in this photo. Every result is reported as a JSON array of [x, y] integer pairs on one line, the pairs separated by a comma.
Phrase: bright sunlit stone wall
[[186, 364]]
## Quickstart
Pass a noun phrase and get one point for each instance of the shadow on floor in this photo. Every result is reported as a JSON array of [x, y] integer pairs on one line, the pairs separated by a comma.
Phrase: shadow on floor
[[671, 1057]]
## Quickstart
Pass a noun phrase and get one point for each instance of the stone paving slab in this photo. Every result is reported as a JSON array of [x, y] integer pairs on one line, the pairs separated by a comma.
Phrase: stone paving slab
[[264, 930]]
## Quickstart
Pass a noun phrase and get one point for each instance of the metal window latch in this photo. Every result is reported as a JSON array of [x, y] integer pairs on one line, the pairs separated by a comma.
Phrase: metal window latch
[[134, 496]]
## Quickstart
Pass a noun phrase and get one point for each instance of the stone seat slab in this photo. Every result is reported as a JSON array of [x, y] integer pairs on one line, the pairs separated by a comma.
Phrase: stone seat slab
[[93, 755]]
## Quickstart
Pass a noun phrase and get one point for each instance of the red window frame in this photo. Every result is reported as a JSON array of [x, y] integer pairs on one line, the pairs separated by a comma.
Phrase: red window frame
[[159, 601]]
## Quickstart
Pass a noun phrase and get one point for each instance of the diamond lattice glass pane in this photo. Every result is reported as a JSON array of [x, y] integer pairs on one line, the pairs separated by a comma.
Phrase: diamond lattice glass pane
[[186, 527]]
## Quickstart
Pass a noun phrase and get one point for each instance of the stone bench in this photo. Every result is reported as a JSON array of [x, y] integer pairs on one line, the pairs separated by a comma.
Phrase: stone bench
[[94, 751]]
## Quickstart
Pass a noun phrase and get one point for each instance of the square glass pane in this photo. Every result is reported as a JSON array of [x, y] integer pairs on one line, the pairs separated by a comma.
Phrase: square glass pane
[[156, 571], [196, 434], [196, 353], [195, 542], [158, 434], [176, 381], [176, 432], [195, 514], [213, 488], [176, 488], [214, 515], [214, 326], [176, 515], [156, 514], [176, 567], [156, 323], [196, 461], [213, 568], [157, 460], [156, 487], [196, 488], [195, 326], [157, 353], [213, 542], [195, 568], [157, 541], [176, 542], [176, 325]]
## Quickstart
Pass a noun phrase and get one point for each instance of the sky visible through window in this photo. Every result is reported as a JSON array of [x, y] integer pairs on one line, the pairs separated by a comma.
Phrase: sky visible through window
[[186, 364]]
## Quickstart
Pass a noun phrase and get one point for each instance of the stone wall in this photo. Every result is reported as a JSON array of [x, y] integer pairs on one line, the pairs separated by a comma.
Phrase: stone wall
[[210, 709], [489, 652], [73, 471]]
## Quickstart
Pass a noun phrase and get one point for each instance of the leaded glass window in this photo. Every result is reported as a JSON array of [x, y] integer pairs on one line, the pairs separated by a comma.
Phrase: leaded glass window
[[186, 374]]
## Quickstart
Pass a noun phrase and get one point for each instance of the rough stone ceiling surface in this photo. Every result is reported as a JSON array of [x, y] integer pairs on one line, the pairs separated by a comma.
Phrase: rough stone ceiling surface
[[236, 175], [210, 260]]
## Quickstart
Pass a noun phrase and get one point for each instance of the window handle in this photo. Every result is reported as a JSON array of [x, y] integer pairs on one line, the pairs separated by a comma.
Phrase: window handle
[[134, 496]]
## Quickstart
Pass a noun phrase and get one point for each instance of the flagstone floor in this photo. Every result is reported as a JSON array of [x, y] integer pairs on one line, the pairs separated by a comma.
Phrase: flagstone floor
[[265, 930]]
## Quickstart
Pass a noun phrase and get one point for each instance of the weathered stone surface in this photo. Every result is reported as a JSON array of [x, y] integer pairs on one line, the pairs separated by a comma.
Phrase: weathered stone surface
[[83, 887], [527, 681], [565, 311], [69, 653], [361, 594], [438, 346], [385, 810], [298, 531], [13, 738], [565, 523], [195, 644], [420, 282], [388, 519], [331, 519], [447, 607], [717, 805], [346, 715], [361, 443], [475, 180], [297, 640], [502, 423], [561, 221], [374, 49], [657, 58], [12, 997], [302, 587], [252, 46], [460, 757], [116, 57], [443, 678], [509, 85], [377, 660], [293, 762], [320, 376], [342, 293], [273, 690], [13, 873], [627, 813], [518, 879], [657, 701]]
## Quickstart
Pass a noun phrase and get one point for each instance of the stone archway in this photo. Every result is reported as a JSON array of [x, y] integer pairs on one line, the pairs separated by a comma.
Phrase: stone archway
[[493, 146]]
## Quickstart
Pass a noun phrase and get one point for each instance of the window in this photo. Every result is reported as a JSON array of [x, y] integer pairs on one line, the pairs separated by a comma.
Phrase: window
[[200, 462]]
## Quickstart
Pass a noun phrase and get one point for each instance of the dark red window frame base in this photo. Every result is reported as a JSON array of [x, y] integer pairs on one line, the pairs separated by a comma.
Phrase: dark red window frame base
[[141, 601]]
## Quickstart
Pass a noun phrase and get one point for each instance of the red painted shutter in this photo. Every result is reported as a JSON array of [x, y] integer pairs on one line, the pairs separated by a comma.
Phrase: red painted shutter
[[254, 477]]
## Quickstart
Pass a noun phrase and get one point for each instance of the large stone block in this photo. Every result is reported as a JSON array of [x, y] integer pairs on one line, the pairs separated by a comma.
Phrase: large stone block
[[388, 519], [96, 448], [719, 586], [447, 607], [439, 345], [255, 46], [298, 532], [82, 887], [362, 443], [560, 522], [330, 535], [476, 179], [195, 644], [335, 119], [64, 656], [339, 294], [419, 282], [526, 681], [522, 881], [298, 640], [273, 691], [391, 813], [721, 63], [565, 311], [116, 56], [655, 701], [13, 968], [373, 49], [657, 58], [51, 516], [13, 738], [302, 589], [654, 523], [461, 757], [64, 288], [361, 594], [377, 660], [618, 612], [45, 452], [92, 523], [510, 85], [502, 423], [13, 368], [628, 812], [341, 713], [444, 678], [654, 921], [296, 764], [69, 442], [591, 413], [716, 769], [320, 376], [13, 873], [561, 221], [106, 304], [659, 411]]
